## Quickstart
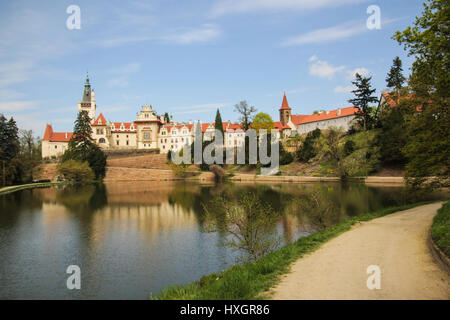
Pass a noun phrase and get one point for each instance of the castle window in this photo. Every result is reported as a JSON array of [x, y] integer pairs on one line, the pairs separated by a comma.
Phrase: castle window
[[117, 142], [146, 135], [117, 136], [101, 140], [127, 143], [56, 147]]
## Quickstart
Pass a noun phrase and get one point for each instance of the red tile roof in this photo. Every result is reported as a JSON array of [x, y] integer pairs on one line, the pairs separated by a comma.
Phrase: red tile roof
[[126, 126], [101, 121], [284, 104], [279, 126], [344, 112], [51, 136]]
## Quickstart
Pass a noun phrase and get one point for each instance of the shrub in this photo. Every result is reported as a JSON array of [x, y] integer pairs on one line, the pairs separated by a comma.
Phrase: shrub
[[308, 151], [76, 171]]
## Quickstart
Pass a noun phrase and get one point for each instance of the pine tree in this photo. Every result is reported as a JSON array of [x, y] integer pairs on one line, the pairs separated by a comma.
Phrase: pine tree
[[363, 97], [218, 123], [395, 78], [82, 148]]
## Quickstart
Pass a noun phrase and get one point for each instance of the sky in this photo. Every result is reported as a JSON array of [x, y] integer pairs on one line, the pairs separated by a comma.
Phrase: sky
[[189, 58]]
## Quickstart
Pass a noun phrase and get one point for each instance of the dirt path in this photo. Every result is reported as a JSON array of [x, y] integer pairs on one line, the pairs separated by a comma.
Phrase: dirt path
[[397, 243]]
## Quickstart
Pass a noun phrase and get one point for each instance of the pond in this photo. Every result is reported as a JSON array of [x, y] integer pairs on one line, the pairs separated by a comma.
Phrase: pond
[[131, 239]]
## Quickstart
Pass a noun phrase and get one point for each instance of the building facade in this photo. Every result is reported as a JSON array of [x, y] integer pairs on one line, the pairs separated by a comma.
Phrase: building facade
[[152, 131]]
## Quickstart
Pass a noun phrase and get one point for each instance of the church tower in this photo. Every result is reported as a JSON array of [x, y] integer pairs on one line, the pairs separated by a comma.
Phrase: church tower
[[87, 102], [285, 111]]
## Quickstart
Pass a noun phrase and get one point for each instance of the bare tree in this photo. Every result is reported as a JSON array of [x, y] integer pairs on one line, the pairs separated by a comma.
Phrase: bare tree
[[246, 113]]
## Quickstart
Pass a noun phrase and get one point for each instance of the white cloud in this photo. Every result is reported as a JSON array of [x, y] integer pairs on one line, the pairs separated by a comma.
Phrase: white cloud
[[184, 36], [342, 89], [223, 7], [14, 106], [205, 33], [351, 74], [323, 69], [327, 35]]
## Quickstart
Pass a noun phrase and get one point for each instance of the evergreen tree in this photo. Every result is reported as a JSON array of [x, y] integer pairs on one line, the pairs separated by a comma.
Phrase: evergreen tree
[[82, 148], [363, 97], [218, 123], [395, 78]]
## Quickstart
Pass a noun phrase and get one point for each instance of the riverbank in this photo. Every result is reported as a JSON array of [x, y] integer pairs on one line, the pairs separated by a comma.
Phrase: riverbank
[[10, 189], [254, 280], [396, 244]]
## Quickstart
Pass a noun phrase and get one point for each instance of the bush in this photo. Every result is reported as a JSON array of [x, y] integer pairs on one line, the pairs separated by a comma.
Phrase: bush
[[76, 171], [307, 151], [440, 230], [219, 172]]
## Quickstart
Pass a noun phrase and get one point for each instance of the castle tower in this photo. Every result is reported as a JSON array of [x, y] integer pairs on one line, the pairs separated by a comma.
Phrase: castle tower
[[285, 111], [87, 102]]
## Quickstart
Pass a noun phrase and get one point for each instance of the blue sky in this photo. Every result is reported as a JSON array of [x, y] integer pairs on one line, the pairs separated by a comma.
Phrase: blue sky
[[189, 58]]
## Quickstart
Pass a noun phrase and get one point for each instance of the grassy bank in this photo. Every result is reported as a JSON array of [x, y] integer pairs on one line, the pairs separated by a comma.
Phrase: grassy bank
[[10, 189], [252, 280], [440, 230]]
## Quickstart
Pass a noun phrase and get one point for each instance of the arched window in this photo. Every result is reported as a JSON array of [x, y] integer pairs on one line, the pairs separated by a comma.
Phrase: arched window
[[101, 140]]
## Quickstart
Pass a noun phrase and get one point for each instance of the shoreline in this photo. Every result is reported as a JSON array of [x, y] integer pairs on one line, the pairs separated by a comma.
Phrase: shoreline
[[10, 189], [255, 280]]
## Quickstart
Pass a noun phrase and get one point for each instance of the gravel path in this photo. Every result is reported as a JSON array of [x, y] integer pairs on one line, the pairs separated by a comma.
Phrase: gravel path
[[397, 243]]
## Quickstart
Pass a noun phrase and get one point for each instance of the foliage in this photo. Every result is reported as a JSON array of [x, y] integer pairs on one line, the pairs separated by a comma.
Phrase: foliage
[[307, 150], [20, 152], [76, 171], [250, 222], [218, 123], [246, 113], [82, 148], [440, 230], [262, 121], [218, 171], [393, 135], [428, 145], [349, 147], [363, 98], [395, 78]]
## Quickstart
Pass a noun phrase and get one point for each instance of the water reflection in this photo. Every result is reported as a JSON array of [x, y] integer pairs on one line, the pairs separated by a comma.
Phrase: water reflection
[[131, 239]]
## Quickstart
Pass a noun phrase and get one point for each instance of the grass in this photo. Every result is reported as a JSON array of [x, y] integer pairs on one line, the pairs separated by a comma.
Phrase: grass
[[253, 280], [10, 189], [440, 229]]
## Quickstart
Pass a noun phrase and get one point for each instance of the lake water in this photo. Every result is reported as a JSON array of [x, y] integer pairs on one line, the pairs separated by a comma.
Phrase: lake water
[[133, 239]]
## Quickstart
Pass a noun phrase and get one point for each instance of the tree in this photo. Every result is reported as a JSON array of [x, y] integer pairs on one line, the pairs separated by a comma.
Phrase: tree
[[395, 78], [250, 221], [76, 171], [82, 148], [428, 145], [9, 146], [363, 97], [262, 121], [218, 123], [307, 150], [246, 114]]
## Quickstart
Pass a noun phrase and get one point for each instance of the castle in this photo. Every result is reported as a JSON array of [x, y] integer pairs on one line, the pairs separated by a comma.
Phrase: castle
[[151, 131]]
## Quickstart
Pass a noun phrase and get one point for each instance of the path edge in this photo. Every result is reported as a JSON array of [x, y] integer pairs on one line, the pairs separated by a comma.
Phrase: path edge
[[438, 255]]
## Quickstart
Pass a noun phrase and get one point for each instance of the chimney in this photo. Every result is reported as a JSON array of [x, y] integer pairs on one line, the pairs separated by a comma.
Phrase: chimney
[[66, 135], [339, 112]]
